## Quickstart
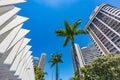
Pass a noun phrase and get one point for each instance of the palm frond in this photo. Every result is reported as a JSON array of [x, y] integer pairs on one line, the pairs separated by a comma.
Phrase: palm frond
[[45, 73], [51, 60], [66, 41], [76, 24], [67, 26], [52, 55], [59, 57], [76, 32], [61, 60], [60, 32], [58, 54], [53, 64], [56, 58]]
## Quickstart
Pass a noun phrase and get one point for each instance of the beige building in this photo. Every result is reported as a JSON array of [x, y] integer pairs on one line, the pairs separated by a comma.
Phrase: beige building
[[42, 61]]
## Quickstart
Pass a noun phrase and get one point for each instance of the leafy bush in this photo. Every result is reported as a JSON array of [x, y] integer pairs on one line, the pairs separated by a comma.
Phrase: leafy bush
[[103, 68]]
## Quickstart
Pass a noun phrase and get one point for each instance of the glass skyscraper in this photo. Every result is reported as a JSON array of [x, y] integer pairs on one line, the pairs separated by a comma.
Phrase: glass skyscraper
[[104, 29]]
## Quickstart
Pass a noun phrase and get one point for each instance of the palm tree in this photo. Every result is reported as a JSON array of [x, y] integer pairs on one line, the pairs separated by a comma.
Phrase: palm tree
[[69, 32], [56, 58]]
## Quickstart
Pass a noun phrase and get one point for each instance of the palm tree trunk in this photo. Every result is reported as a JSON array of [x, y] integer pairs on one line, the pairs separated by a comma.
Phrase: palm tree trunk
[[52, 74], [57, 71], [76, 61]]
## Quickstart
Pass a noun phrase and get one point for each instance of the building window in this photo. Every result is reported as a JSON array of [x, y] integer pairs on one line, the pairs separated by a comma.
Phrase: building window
[[109, 9], [118, 14], [113, 50], [118, 52], [114, 11], [118, 30]]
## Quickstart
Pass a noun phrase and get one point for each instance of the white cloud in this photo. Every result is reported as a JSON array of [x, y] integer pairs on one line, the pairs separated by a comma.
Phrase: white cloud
[[56, 3]]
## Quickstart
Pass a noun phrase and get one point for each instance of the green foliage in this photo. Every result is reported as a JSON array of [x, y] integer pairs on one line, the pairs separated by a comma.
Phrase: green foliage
[[86, 73], [103, 68], [70, 31], [76, 76], [56, 58], [39, 74]]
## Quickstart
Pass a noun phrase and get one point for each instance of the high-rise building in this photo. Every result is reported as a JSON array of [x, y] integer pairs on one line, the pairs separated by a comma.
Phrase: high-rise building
[[15, 55], [77, 58], [89, 53], [42, 61], [84, 56], [104, 28], [35, 61]]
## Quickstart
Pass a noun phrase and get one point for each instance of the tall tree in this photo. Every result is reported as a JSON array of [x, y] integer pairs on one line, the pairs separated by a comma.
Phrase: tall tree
[[86, 73], [55, 60], [76, 76], [103, 68], [39, 74], [69, 32]]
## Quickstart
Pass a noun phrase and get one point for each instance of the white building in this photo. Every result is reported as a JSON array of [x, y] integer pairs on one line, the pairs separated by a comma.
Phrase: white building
[[84, 55], [79, 61], [15, 55], [104, 28], [89, 53]]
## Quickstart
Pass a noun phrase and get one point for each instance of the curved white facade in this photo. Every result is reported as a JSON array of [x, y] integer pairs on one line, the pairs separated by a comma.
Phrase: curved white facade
[[15, 55]]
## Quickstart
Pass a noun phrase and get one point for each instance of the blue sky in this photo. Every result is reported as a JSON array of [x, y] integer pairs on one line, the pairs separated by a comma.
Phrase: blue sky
[[48, 15]]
